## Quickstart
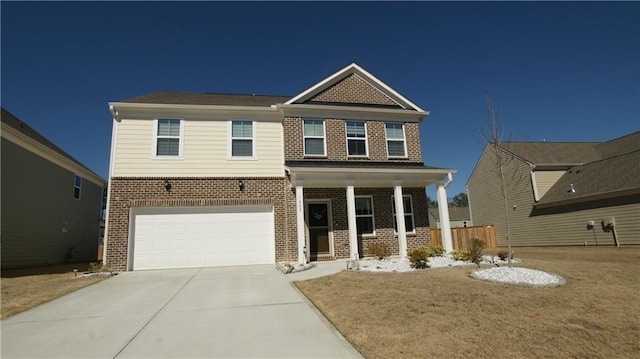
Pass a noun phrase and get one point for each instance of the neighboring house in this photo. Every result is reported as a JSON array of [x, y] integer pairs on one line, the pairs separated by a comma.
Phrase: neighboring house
[[458, 217], [51, 203], [561, 193], [220, 179]]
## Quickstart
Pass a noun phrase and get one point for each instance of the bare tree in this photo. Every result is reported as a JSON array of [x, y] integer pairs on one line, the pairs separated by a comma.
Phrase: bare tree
[[502, 157]]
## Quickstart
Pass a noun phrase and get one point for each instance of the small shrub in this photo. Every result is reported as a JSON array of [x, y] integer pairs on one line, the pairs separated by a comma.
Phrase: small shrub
[[503, 255], [435, 251], [460, 255], [378, 250], [99, 267], [475, 252], [419, 257]]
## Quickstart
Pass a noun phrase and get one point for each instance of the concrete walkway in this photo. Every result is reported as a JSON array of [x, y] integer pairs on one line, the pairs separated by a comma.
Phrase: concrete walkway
[[232, 312]]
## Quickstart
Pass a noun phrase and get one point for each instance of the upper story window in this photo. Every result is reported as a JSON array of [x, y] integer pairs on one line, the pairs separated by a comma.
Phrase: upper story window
[[364, 215], [168, 137], [408, 214], [356, 139], [242, 139], [314, 139], [395, 140], [77, 186]]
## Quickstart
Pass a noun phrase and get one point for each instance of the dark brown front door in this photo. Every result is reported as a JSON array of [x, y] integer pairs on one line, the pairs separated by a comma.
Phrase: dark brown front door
[[318, 224]]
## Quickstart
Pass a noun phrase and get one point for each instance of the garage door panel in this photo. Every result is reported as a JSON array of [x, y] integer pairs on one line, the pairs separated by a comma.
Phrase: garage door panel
[[197, 237]]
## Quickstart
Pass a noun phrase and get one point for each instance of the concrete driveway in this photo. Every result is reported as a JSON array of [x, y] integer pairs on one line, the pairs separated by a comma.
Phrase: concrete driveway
[[232, 312]]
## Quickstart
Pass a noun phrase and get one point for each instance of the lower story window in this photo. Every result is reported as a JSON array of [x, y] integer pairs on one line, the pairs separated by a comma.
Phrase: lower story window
[[408, 214], [364, 215]]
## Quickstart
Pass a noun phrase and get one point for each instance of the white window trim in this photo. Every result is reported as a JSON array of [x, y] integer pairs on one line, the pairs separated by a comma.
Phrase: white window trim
[[230, 138], [154, 148], [404, 141], [78, 187], [413, 214], [365, 139], [324, 137], [372, 215]]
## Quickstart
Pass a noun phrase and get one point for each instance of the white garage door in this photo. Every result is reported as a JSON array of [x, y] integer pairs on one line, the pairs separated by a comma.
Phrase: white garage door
[[202, 237]]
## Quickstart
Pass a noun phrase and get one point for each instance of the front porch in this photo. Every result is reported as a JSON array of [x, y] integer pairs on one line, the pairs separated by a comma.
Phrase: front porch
[[341, 210]]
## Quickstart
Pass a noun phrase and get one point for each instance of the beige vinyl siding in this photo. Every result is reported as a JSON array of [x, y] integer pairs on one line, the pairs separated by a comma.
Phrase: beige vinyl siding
[[204, 151], [561, 226], [546, 179]]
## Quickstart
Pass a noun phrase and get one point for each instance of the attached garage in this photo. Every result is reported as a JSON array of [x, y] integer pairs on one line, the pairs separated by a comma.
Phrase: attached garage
[[170, 237]]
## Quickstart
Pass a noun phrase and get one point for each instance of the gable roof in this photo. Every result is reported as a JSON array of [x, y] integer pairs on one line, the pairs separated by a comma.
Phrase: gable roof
[[191, 98], [455, 213], [550, 153], [335, 90], [14, 122]]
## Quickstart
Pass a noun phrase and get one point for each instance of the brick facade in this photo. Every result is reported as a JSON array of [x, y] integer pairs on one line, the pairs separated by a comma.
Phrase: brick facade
[[353, 89], [336, 141], [127, 193]]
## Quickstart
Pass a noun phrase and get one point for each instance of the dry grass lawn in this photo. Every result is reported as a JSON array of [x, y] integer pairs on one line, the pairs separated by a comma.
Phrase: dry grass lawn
[[443, 313], [23, 289]]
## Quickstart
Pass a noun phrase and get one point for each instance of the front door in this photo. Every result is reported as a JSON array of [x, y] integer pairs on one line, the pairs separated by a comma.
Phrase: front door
[[319, 225]]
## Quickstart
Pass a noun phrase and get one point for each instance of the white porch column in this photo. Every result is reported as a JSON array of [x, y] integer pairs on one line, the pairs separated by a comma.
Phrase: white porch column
[[402, 229], [300, 223], [351, 222], [445, 225]]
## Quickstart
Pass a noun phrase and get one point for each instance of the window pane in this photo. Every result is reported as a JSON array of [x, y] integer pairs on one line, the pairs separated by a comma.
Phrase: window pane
[[76, 192], [396, 148], [242, 148], [408, 208], [363, 206], [313, 128], [408, 223], [314, 146], [394, 131], [78, 181], [364, 225], [355, 129], [168, 127], [168, 147], [242, 129], [357, 148]]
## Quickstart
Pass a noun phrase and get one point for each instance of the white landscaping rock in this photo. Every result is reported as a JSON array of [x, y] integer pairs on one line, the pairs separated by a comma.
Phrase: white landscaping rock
[[519, 276]]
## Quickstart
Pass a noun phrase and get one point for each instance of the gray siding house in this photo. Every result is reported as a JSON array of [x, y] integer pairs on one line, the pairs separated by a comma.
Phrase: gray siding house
[[561, 193], [458, 217], [51, 204]]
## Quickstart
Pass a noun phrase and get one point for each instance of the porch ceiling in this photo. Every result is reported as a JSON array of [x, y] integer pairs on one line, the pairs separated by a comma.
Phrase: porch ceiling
[[332, 177]]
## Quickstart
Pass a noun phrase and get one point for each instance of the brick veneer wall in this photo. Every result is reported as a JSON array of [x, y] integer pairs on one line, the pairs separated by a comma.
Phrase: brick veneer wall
[[336, 139], [383, 218], [353, 89], [186, 192]]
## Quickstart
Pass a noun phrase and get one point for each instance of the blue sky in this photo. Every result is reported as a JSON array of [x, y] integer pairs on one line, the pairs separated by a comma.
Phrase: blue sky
[[567, 71]]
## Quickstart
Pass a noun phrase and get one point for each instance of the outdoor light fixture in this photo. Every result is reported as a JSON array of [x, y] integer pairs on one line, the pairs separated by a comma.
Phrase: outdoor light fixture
[[571, 189], [241, 185], [167, 185]]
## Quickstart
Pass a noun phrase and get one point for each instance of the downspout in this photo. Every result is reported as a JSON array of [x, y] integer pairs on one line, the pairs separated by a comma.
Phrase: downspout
[[449, 180], [534, 184], [114, 131]]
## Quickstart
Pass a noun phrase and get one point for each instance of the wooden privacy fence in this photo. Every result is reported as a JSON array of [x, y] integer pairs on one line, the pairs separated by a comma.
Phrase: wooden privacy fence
[[462, 236]]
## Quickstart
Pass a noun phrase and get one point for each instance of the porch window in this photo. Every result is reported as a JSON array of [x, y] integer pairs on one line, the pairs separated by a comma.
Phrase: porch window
[[364, 215], [395, 140], [314, 144], [77, 186], [168, 137], [242, 139], [356, 139], [407, 204]]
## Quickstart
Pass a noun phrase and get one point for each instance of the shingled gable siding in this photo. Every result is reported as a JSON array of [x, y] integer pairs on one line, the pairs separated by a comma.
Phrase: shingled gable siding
[[383, 218], [353, 89], [187, 192], [337, 141]]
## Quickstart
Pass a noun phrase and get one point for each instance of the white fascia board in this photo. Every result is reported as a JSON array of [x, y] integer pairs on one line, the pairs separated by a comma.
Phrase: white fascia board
[[352, 113], [444, 171], [45, 152], [137, 110], [368, 77]]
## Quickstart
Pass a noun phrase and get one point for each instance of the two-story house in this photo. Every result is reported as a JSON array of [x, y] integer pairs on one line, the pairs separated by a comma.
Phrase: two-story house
[[219, 179]]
